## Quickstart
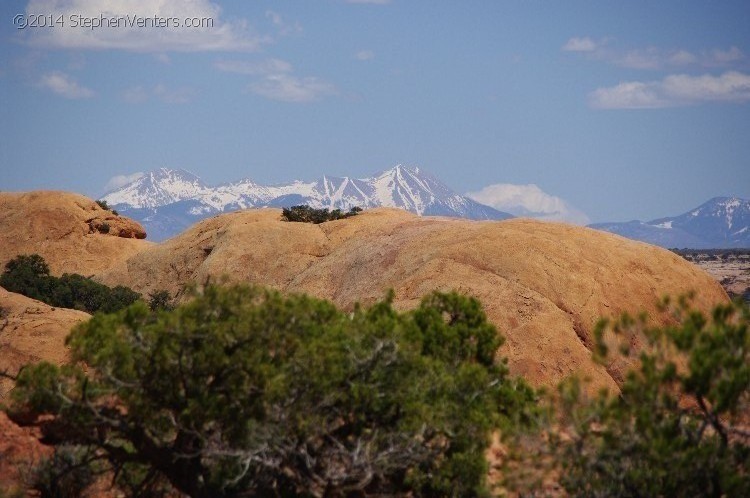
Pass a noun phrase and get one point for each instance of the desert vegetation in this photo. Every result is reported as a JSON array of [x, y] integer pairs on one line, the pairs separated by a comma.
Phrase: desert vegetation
[[160, 300], [103, 204], [245, 392], [679, 426], [29, 275], [307, 214], [242, 391]]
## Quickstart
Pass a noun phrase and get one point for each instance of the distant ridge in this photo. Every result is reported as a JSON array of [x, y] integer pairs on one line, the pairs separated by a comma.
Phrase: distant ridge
[[722, 222], [166, 201]]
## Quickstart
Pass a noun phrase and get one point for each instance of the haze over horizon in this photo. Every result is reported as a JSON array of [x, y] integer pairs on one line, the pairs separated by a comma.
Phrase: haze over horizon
[[623, 111]]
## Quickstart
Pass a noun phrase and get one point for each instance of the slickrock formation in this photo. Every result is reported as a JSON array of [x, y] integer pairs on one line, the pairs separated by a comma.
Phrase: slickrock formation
[[30, 331], [544, 285], [72, 232], [20, 450]]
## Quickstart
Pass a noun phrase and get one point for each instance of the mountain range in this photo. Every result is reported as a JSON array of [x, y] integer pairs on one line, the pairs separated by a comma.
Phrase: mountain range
[[722, 222], [166, 201]]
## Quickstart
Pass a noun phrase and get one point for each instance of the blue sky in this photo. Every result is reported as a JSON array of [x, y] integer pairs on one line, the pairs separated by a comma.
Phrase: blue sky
[[623, 109]]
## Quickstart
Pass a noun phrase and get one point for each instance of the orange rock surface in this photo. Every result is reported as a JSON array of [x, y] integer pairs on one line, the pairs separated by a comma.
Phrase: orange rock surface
[[66, 229], [544, 285]]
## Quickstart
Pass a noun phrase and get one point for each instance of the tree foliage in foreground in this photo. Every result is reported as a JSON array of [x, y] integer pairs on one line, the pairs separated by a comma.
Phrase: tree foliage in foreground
[[245, 392], [681, 425], [307, 214], [29, 275]]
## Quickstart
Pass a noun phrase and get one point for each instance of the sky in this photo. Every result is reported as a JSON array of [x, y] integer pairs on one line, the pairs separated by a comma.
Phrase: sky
[[616, 110]]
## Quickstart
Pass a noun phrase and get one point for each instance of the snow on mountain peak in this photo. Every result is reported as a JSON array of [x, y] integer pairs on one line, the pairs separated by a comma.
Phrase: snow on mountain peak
[[157, 188], [717, 223], [402, 187]]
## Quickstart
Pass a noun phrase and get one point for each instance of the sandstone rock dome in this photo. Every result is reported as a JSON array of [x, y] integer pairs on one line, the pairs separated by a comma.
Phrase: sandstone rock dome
[[67, 230], [544, 285], [31, 331]]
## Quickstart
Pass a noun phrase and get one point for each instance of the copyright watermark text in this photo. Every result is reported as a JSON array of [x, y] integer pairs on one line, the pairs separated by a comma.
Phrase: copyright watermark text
[[24, 21]]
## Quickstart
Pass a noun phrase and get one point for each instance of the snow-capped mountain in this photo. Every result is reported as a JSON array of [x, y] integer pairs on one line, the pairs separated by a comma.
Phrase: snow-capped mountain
[[157, 188], [722, 222], [167, 201]]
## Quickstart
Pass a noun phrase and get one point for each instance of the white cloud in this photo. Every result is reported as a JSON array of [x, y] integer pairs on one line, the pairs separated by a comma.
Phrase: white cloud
[[649, 58], [529, 201], [364, 55], [62, 84], [628, 95], [120, 181], [734, 54], [584, 44], [121, 34], [275, 80], [731, 86], [652, 57], [283, 27], [288, 88], [682, 58], [674, 91], [264, 67]]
